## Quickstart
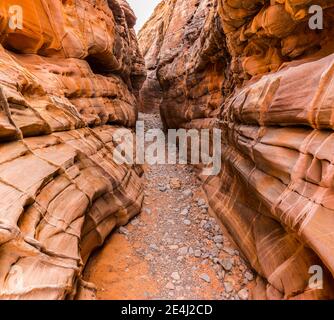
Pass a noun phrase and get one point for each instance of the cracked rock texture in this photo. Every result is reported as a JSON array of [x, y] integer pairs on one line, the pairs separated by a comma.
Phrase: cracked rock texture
[[257, 71], [68, 80]]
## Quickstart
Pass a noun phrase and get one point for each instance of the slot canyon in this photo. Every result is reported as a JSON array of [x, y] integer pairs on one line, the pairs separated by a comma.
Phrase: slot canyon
[[76, 224]]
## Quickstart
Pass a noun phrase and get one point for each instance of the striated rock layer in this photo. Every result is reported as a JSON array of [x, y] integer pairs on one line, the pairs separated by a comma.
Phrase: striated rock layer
[[68, 79], [257, 71]]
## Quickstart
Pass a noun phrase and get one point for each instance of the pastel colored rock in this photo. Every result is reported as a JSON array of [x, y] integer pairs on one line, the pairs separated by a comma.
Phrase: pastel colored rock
[[258, 72], [68, 80]]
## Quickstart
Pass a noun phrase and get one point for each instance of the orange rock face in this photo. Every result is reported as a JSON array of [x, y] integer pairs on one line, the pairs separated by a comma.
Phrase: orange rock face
[[258, 72], [68, 79]]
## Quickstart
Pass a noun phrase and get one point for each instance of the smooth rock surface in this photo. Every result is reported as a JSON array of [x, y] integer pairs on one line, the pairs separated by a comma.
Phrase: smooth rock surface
[[71, 83], [256, 71]]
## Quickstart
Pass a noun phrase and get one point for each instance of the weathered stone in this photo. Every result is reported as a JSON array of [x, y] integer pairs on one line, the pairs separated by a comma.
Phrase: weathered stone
[[175, 183], [258, 72], [205, 277], [68, 80], [243, 294], [176, 276]]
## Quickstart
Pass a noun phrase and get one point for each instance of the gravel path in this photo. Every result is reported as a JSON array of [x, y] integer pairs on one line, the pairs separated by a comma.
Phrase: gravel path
[[173, 249]]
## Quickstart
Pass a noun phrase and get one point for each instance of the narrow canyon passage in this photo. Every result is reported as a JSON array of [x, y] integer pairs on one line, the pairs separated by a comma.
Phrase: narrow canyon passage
[[174, 249]]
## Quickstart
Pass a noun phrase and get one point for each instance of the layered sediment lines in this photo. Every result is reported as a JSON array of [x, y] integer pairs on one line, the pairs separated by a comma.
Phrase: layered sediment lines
[[68, 79], [257, 71]]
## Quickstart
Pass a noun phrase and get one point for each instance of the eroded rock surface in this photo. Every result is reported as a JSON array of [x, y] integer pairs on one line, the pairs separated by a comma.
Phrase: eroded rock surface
[[257, 71], [68, 80]]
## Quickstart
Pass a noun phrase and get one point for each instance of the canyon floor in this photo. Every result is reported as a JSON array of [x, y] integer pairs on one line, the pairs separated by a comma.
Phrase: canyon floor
[[174, 249]]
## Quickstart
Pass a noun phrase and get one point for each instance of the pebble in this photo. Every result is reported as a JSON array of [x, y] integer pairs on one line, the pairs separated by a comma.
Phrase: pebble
[[249, 276], [135, 222], [154, 247], [176, 276], [228, 287], [123, 230], [227, 264], [243, 294], [201, 202], [229, 251], [221, 275], [198, 253], [183, 251], [170, 286], [148, 211], [187, 193], [149, 257], [205, 277], [175, 183], [218, 239], [174, 247], [162, 189], [184, 212]]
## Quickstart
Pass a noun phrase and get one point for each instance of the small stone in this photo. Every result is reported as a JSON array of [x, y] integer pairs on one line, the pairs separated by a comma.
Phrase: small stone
[[216, 260], [198, 253], [214, 252], [187, 222], [154, 247], [191, 251], [227, 264], [217, 267], [148, 211], [135, 222], [205, 277], [187, 193], [174, 247], [221, 275], [202, 224], [243, 294], [219, 246], [183, 251], [228, 287], [205, 255], [175, 183], [170, 286], [176, 276], [184, 212], [123, 230], [149, 257], [249, 276], [168, 240], [162, 189], [218, 239], [229, 251], [201, 202]]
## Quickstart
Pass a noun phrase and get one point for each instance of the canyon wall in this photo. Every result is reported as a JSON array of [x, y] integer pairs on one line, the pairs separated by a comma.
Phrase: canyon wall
[[68, 80], [257, 71]]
